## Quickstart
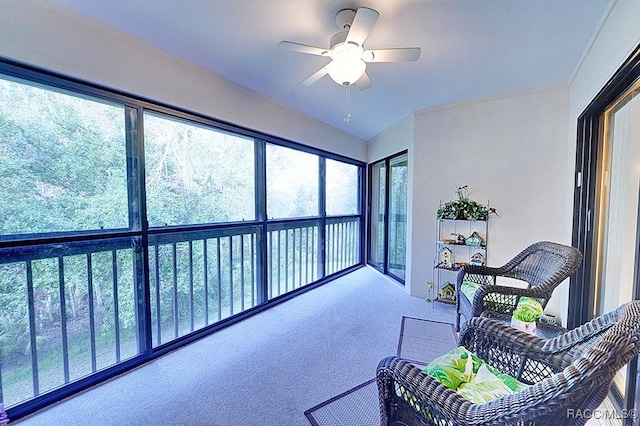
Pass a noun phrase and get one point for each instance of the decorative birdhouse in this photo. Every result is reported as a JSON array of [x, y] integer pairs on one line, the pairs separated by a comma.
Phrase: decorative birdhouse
[[477, 259], [445, 257], [448, 291], [474, 240]]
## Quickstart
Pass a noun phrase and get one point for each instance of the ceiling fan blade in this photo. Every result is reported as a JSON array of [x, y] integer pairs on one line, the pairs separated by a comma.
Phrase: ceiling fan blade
[[297, 47], [364, 82], [405, 54], [363, 22], [315, 77]]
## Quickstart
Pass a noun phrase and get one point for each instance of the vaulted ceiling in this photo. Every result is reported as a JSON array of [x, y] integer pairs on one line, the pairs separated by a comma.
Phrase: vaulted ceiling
[[471, 49]]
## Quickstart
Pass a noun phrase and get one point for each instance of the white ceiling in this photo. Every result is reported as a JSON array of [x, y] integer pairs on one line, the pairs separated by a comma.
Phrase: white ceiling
[[471, 49]]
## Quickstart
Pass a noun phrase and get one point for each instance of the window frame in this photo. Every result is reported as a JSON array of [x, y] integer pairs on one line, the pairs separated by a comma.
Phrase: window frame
[[135, 107], [387, 166]]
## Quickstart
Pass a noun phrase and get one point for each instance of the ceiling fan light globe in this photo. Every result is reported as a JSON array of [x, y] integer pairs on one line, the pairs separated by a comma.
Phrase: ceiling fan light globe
[[346, 70]]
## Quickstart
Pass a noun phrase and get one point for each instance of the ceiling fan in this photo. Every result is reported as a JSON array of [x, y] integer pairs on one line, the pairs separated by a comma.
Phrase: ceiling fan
[[349, 58]]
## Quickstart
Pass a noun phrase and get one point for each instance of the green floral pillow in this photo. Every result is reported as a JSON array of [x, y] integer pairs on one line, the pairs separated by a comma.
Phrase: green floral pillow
[[469, 288], [470, 377]]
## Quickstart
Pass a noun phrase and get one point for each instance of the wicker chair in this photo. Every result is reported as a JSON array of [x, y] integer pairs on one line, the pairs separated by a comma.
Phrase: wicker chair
[[543, 266], [566, 374]]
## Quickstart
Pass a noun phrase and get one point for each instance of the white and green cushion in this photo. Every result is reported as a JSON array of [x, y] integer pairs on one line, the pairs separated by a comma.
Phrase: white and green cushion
[[473, 379], [469, 288]]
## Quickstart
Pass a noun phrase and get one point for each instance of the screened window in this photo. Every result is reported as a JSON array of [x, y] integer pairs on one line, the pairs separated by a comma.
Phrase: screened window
[[196, 174], [76, 164], [292, 183], [342, 188], [62, 162]]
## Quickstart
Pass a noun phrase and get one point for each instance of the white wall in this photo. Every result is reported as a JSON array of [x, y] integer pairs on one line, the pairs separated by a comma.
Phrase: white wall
[[41, 33], [518, 151], [510, 151]]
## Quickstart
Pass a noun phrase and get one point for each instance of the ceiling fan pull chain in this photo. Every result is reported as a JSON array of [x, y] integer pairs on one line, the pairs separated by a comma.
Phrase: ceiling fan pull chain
[[347, 117]]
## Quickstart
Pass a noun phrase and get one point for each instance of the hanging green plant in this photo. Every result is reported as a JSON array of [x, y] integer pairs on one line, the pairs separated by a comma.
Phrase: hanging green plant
[[463, 208]]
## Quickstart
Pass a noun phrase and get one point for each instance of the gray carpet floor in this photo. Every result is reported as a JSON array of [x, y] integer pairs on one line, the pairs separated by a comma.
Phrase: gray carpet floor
[[420, 341], [266, 370]]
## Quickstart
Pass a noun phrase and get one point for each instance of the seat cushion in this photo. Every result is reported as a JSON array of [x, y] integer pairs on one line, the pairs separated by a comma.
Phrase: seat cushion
[[472, 378], [469, 288]]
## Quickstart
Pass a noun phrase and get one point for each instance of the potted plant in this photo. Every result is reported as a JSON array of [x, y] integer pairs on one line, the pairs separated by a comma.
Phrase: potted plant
[[464, 208], [526, 314]]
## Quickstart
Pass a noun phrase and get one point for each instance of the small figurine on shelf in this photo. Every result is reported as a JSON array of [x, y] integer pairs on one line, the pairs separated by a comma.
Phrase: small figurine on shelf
[[445, 257], [448, 292], [459, 238], [477, 259], [474, 240]]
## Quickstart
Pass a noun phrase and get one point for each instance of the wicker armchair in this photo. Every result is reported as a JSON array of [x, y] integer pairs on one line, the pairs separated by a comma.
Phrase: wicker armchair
[[543, 266], [571, 372]]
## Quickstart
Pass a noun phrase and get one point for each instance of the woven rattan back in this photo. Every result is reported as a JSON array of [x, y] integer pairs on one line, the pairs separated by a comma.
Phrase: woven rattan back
[[543, 264]]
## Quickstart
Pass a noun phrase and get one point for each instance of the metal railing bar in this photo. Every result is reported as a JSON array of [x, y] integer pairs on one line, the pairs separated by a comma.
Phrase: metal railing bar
[[339, 242], [16, 254], [205, 275], [277, 224], [286, 260], [192, 319], [306, 255], [313, 253], [253, 270], [32, 330], [270, 269], [279, 263], [179, 237], [242, 263], [92, 321], [63, 319], [230, 275], [174, 260], [116, 305], [219, 278], [26, 241], [157, 279], [212, 230], [300, 260]]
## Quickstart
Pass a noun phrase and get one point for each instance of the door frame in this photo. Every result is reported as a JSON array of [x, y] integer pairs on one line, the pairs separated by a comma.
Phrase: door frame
[[387, 165], [588, 148]]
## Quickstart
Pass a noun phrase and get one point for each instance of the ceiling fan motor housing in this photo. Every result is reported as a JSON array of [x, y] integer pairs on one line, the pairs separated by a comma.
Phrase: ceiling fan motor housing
[[345, 17]]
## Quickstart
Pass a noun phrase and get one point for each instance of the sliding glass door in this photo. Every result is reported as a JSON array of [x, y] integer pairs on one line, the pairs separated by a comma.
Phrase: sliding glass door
[[388, 215], [615, 252], [606, 213], [377, 205]]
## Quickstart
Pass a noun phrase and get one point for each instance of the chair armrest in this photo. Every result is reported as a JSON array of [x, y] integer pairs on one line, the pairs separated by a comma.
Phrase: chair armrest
[[489, 295], [525, 356]]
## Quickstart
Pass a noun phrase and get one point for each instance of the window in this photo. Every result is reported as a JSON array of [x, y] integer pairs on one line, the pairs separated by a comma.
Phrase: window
[[63, 162], [196, 174], [292, 183], [68, 308], [115, 248], [342, 188]]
